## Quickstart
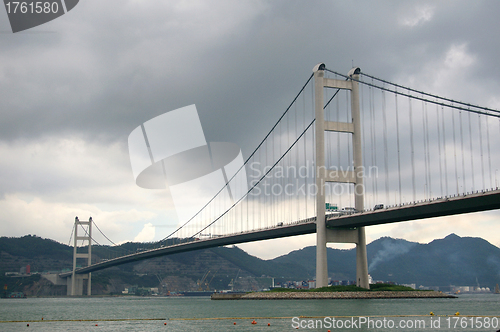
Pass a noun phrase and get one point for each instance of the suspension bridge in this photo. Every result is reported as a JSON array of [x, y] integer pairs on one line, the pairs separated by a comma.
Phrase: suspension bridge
[[350, 151]]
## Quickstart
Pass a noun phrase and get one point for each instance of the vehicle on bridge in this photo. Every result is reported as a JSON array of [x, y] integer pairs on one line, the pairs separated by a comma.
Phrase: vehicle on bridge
[[348, 210]]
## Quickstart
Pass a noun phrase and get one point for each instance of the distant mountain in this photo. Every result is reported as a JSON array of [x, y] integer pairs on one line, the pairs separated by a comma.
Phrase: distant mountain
[[341, 263], [454, 260]]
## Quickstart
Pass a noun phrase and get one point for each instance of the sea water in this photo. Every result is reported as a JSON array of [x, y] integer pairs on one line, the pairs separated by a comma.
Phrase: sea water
[[465, 313]]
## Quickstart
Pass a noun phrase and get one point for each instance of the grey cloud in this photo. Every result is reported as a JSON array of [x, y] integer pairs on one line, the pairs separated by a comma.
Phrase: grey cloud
[[104, 68]]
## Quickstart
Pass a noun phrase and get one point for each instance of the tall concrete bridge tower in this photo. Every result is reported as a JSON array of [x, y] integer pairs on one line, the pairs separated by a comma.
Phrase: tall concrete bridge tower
[[323, 234], [76, 280]]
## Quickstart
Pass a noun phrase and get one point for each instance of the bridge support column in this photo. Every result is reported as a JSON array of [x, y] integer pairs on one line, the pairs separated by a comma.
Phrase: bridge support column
[[323, 235], [359, 188], [75, 285], [321, 258], [75, 282], [362, 279]]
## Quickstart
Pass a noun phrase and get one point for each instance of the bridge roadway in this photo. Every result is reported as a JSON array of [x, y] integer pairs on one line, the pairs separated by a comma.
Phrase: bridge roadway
[[476, 202]]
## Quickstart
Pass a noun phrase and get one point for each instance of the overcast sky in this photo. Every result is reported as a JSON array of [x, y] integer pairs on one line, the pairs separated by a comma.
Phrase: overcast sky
[[73, 89]]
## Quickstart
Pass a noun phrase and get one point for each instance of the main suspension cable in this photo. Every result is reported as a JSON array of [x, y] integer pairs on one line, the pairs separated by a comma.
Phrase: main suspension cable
[[244, 164], [433, 96], [467, 107]]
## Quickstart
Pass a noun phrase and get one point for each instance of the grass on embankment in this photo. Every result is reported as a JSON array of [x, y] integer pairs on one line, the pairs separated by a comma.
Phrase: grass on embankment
[[350, 288]]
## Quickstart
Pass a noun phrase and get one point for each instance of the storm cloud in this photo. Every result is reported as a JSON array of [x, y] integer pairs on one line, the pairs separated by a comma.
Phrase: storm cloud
[[73, 89]]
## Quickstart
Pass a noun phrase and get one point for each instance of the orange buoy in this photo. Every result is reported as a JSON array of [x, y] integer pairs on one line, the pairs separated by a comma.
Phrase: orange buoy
[[164, 323], [254, 322], [234, 323], [268, 324]]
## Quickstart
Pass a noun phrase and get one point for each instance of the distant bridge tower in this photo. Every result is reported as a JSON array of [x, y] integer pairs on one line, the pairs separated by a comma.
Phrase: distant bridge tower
[[324, 235], [76, 280]]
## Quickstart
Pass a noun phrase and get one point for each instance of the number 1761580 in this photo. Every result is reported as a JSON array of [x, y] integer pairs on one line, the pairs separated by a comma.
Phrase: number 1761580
[[38, 7]]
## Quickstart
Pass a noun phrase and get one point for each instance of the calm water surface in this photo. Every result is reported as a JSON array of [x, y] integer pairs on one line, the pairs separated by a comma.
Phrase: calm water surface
[[202, 314]]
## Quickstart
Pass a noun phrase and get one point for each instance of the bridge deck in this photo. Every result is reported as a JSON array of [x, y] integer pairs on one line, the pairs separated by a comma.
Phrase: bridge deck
[[300, 228], [447, 206], [476, 202]]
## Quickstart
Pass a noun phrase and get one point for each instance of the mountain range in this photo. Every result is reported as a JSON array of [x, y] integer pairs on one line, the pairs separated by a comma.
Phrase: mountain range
[[453, 260]]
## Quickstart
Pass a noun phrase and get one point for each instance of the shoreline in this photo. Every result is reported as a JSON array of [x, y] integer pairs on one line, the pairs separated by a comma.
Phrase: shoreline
[[332, 295]]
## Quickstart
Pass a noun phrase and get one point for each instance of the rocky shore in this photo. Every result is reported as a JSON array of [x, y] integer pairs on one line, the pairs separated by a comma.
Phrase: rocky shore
[[331, 295]]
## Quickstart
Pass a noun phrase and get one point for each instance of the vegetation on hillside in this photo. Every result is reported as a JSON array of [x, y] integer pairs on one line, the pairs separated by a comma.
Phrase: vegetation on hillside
[[17, 284], [32, 246], [349, 288]]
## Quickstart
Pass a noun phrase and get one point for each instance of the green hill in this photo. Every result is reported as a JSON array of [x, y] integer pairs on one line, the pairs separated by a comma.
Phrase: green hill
[[454, 260]]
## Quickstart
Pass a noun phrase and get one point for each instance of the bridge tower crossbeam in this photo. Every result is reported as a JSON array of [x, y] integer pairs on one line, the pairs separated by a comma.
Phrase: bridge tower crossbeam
[[323, 234]]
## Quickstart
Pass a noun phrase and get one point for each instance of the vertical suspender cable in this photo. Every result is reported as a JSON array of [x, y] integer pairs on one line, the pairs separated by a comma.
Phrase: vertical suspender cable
[[439, 150], [363, 129], [481, 147], [454, 148], [489, 154], [370, 117], [313, 140], [282, 175], [261, 197], [349, 157], [445, 156], [386, 150], [337, 118], [297, 159], [397, 140], [265, 206], [247, 199], [462, 150], [471, 152], [374, 142], [412, 151], [289, 168], [305, 153], [328, 150], [424, 131], [429, 183], [274, 200]]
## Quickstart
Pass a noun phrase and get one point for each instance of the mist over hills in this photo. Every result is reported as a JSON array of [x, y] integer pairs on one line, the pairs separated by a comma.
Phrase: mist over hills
[[454, 260]]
